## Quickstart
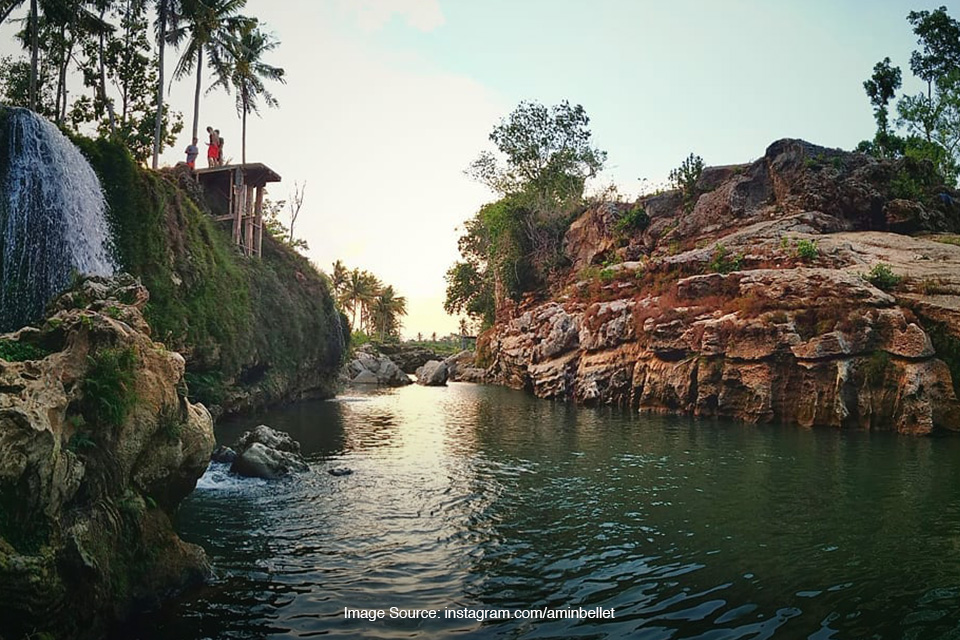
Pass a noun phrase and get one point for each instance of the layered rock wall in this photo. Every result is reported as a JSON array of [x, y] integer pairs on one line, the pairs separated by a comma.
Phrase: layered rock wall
[[758, 304]]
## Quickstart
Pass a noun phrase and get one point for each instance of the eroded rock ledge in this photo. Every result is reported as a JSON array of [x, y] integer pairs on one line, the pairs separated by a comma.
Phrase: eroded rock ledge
[[98, 446], [755, 304]]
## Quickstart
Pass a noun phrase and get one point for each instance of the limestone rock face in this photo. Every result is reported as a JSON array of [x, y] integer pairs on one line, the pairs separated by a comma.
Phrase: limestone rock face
[[98, 446], [433, 374], [752, 299]]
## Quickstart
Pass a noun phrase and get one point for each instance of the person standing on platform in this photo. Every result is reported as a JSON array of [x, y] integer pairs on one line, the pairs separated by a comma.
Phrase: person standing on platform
[[192, 152], [213, 148], [220, 138]]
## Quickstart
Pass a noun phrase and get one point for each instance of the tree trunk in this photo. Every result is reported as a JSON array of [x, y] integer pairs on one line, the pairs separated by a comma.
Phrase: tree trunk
[[243, 140], [103, 83], [196, 97], [158, 125], [34, 48]]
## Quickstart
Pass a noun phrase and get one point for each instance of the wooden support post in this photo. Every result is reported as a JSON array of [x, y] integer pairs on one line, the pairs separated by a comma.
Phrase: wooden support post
[[248, 223], [239, 204], [259, 218]]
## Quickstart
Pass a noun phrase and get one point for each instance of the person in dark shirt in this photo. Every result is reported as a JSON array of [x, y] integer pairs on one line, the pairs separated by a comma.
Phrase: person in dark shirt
[[192, 152]]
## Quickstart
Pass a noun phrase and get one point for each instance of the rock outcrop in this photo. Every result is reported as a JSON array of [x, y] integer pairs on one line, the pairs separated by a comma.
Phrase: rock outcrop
[[433, 374], [369, 367], [98, 445], [409, 358], [764, 302], [266, 453], [461, 367]]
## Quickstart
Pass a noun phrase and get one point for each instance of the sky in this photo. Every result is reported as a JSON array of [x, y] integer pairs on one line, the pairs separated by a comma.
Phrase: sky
[[387, 101]]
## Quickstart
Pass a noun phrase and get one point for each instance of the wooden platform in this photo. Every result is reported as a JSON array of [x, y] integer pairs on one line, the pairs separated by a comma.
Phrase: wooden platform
[[235, 192]]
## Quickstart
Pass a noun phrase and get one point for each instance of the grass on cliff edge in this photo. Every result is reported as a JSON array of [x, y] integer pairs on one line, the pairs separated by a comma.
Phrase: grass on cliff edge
[[234, 318]]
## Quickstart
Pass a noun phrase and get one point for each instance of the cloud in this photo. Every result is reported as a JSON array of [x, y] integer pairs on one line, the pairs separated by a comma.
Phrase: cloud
[[373, 15]]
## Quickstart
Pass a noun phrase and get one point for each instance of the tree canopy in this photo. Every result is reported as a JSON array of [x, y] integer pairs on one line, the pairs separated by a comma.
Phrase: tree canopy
[[512, 245], [929, 121]]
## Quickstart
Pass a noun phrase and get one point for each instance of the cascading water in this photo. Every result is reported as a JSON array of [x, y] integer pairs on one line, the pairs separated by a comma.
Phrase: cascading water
[[52, 213]]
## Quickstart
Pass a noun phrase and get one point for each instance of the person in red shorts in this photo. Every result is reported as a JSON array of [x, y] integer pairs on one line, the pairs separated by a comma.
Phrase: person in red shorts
[[213, 148]]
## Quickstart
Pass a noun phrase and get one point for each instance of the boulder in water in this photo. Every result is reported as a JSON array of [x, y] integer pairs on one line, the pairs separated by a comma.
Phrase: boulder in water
[[267, 453], [372, 368], [340, 471], [433, 374], [223, 455]]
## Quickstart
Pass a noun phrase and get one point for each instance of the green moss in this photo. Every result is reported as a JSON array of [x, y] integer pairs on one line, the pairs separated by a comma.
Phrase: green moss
[[947, 347], [108, 388], [14, 351], [876, 368], [24, 529]]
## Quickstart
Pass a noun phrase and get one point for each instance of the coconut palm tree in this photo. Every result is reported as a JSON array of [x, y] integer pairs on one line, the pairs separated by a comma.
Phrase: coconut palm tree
[[359, 290], [6, 8], [246, 72], [167, 20], [208, 26], [387, 309], [338, 278]]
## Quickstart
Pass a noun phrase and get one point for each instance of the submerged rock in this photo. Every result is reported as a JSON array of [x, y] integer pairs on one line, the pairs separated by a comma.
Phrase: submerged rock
[[340, 471], [98, 446], [267, 453]]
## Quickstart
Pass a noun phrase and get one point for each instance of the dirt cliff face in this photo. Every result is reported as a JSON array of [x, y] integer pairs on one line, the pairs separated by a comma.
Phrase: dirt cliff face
[[98, 446], [760, 300]]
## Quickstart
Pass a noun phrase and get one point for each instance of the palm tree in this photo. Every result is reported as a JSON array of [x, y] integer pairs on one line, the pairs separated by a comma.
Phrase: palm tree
[[6, 8], [167, 20], [338, 278], [358, 291], [247, 71], [387, 309], [208, 26]]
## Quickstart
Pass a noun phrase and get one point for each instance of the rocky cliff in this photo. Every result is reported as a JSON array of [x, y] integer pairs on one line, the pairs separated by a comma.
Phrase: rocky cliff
[[98, 445], [812, 286], [254, 332]]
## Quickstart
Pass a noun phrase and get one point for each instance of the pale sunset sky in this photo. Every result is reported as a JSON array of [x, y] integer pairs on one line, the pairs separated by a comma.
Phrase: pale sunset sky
[[388, 101]]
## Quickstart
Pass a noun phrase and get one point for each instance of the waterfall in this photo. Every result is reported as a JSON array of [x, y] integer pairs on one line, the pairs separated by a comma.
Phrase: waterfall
[[52, 214]]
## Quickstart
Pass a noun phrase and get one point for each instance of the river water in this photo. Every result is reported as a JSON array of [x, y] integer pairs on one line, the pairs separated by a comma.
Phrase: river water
[[471, 498]]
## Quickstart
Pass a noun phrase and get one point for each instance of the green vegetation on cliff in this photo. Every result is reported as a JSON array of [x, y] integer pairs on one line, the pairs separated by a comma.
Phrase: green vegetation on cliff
[[268, 324], [514, 245]]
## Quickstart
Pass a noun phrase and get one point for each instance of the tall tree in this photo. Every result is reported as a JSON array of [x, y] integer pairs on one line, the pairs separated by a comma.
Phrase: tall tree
[[547, 150], [6, 8], [387, 307], [167, 19], [246, 72], [208, 27], [881, 88], [339, 277], [358, 292]]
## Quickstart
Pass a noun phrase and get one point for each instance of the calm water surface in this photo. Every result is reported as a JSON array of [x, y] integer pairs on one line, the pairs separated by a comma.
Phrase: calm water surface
[[481, 497]]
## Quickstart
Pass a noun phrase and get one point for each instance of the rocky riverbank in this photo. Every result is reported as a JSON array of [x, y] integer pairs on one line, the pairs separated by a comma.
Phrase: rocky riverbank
[[811, 286], [98, 446]]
